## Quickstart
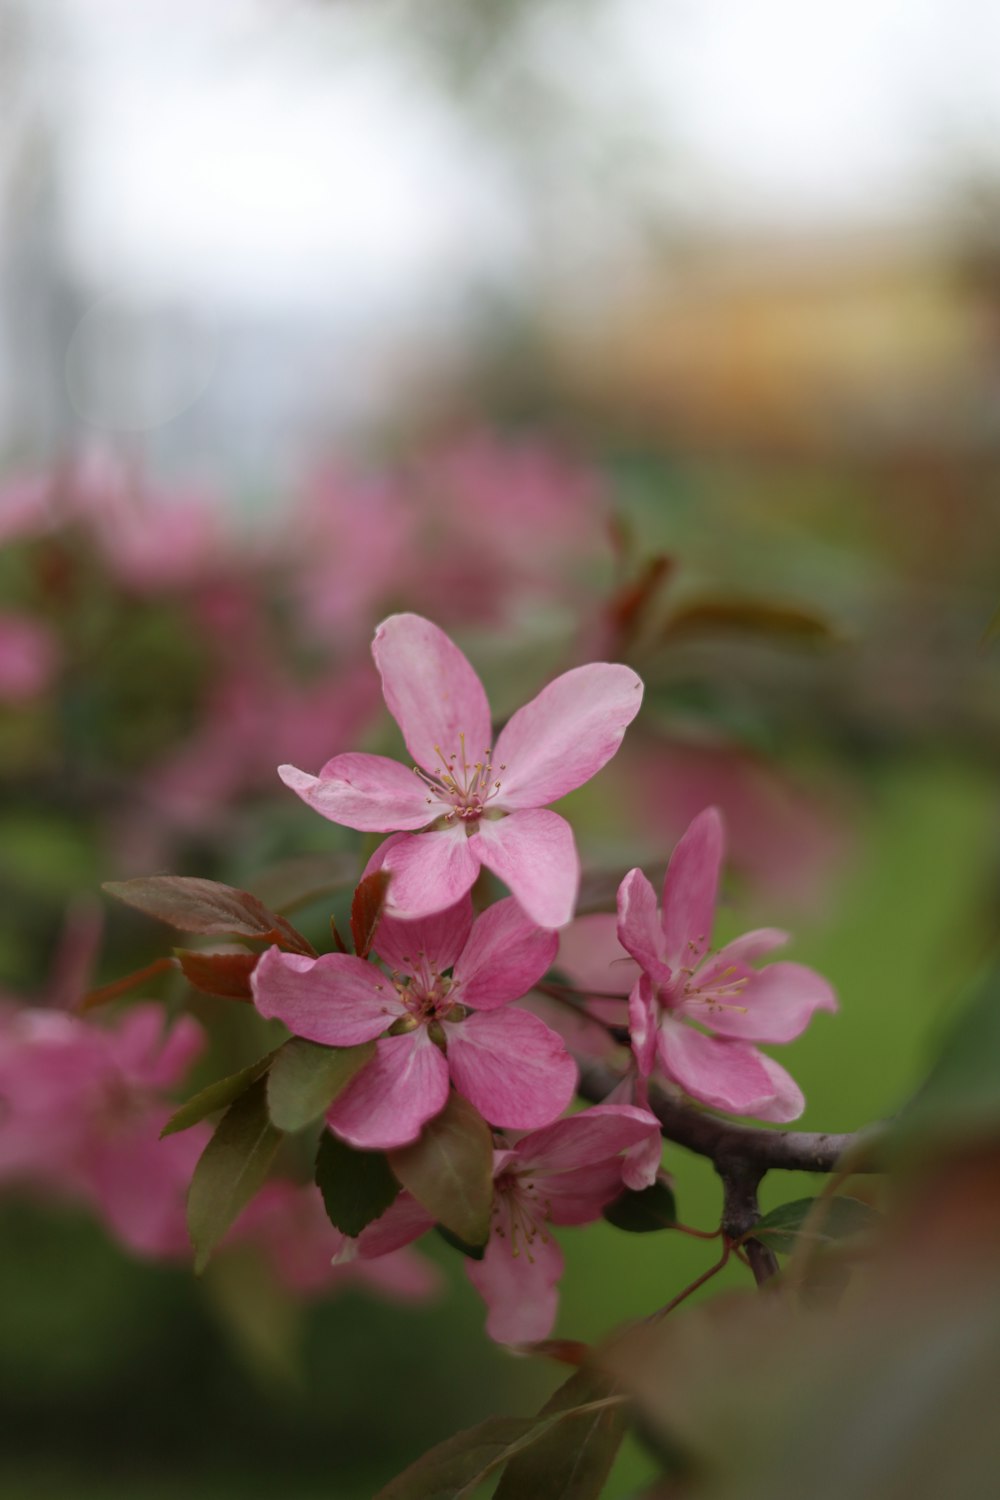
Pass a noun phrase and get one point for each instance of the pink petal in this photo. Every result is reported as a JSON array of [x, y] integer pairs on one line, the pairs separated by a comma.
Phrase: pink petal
[[432, 692], [689, 891], [593, 959], [639, 928], [430, 872], [775, 1005], [388, 1103], [730, 1076], [334, 999], [367, 792], [566, 734], [583, 1141], [518, 1288], [641, 1164], [505, 955], [140, 1183], [642, 1025], [509, 1064], [742, 951], [534, 854], [787, 1100], [404, 1221], [433, 942]]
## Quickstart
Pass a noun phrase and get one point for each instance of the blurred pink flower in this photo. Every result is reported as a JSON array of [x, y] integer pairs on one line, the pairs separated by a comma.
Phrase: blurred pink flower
[[681, 982], [780, 835], [484, 807], [512, 1067]]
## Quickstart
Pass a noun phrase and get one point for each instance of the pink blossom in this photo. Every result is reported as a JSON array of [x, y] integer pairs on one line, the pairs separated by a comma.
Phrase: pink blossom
[[563, 1174], [477, 806], [681, 983], [441, 1018]]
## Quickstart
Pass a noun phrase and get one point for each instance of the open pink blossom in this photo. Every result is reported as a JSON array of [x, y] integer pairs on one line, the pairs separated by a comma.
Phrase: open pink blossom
[[682, 987], [440, 1018], [563, 1174], [465, 804]]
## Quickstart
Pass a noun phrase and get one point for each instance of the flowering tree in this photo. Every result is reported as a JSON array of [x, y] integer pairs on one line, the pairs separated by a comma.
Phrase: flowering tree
[[489, 1063]]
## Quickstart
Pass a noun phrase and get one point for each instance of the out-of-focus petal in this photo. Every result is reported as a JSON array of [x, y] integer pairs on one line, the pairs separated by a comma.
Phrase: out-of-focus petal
[[404, 1221], [566, 734], [591, 956]]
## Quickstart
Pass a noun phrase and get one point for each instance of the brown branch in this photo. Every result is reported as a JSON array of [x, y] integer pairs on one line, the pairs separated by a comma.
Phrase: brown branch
[[728, 1145]]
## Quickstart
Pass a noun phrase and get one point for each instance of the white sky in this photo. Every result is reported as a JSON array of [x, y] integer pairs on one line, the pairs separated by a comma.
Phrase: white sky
[[276, 150]]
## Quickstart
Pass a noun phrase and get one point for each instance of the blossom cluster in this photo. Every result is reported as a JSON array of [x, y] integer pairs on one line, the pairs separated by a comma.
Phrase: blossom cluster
[[440, 993]]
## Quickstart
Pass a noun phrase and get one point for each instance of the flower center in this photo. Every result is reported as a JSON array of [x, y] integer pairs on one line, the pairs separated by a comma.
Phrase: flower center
[[467, 785], [721, 992], [519, 1214], [427, 998]]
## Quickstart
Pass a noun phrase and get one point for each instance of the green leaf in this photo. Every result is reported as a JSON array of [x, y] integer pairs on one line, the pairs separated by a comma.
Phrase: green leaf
[[366, 910], [450, 1170], [455, 1469], [216, 1096], [305, 1078], [572, 1460], [642, 1212], [836, 1220], [357, 1186], [223, 974], [208, 907], [230, 1170]]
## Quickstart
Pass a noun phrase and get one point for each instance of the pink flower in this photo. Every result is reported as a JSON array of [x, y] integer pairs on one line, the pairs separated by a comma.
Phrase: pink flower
[[441, 1018], [479, 806], [564, 1174], [681, 982]]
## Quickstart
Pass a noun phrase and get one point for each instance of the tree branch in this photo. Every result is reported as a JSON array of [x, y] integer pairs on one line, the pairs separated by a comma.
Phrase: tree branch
[[728, 1145]]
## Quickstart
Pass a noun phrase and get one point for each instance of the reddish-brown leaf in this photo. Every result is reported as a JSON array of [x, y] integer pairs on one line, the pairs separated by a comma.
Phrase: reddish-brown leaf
[[223, 974], [208, 907], [366, 910]]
